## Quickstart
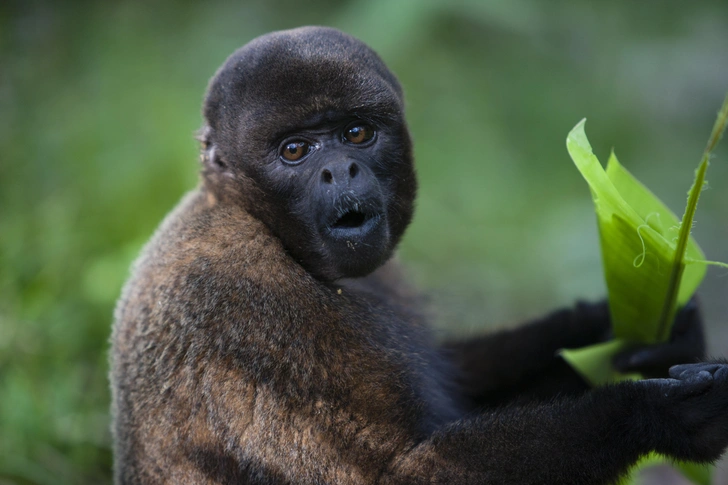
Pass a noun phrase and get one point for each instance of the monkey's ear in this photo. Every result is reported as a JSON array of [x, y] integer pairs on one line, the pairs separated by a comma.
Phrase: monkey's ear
[[208, 152]]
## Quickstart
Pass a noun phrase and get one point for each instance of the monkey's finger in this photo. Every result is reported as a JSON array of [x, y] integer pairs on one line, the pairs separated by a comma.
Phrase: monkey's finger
[[696, 384], [685, 371], [654, 358]]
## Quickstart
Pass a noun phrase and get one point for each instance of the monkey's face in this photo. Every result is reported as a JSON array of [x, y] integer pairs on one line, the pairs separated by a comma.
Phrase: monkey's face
[[337, 179], [306, 129]]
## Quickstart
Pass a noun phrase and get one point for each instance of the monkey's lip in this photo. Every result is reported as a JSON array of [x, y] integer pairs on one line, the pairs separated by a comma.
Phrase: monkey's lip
[[353, 223]]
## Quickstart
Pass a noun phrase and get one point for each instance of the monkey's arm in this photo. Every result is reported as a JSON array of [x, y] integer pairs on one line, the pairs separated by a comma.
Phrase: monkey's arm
[[588, 440], [523, 362], [498, 367]]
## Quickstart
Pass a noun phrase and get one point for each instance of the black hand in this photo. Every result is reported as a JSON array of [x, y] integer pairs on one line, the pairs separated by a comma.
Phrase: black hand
[[686, 345], [692, 409]]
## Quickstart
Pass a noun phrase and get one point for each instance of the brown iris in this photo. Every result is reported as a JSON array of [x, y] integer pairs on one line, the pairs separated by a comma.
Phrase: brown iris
[[295, 150], [359, 133]]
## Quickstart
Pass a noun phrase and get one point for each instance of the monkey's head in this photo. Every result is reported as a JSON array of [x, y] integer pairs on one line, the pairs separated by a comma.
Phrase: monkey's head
[[305, 128]]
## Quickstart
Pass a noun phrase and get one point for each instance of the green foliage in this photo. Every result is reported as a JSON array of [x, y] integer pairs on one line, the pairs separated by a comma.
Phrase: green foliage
[[638, 250], [638, 236], [644, 291], [99, 102]]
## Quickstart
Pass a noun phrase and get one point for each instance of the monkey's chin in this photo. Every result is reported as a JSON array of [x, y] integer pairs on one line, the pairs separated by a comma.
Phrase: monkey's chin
[[358, 248]]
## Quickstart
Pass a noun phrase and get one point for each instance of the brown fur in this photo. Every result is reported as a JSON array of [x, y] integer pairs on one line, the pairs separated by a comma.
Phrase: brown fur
[[236, 345]]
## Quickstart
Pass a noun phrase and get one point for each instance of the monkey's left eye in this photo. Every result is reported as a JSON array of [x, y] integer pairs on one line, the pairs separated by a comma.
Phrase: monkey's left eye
[[294, 151], [359, 133]]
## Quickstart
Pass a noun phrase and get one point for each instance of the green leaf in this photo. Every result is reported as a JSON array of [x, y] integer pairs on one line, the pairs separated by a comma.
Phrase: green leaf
[[594, 363], [637, 233], [651, 264], [697, 473], [661, 219], [646, 461]]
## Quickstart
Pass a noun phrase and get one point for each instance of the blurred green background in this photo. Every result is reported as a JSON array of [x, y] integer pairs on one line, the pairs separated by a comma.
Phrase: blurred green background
[[99, 102]]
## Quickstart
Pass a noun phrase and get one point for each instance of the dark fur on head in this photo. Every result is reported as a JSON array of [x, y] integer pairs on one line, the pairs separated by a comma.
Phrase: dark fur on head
[[302, 78]]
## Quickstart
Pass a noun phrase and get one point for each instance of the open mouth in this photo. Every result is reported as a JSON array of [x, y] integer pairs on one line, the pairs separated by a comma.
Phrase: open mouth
[[351, 220], [353, 223]]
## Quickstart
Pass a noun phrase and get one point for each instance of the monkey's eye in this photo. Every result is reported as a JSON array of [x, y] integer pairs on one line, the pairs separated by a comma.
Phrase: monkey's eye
[[295, 150], [359, 133]]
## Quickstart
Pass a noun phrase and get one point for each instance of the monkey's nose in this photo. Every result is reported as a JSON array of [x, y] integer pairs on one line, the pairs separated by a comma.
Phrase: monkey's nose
[[339, 173]]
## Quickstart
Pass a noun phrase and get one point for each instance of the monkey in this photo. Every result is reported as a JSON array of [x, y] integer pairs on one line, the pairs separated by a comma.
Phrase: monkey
[[269, 335]]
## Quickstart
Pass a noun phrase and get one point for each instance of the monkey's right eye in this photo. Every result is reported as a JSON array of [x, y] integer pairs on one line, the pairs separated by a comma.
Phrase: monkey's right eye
[[295, 150]]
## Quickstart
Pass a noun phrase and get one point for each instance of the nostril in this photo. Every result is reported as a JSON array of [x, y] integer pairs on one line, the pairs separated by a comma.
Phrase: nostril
[[326, 176], [353, 170]]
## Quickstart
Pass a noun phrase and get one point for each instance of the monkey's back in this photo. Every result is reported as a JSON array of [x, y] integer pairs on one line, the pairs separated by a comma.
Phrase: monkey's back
[[223, 345]]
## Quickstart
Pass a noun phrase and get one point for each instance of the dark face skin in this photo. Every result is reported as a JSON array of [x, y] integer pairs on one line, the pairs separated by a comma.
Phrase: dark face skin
[[305, 129]]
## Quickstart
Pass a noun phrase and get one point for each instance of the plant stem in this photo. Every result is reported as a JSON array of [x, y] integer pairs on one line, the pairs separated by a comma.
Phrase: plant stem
[[669, 307]]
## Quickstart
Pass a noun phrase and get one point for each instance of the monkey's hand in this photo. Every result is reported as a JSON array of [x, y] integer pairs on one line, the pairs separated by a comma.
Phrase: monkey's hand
[[692, 412], [520, 362], [686, 345], [591, 439]]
